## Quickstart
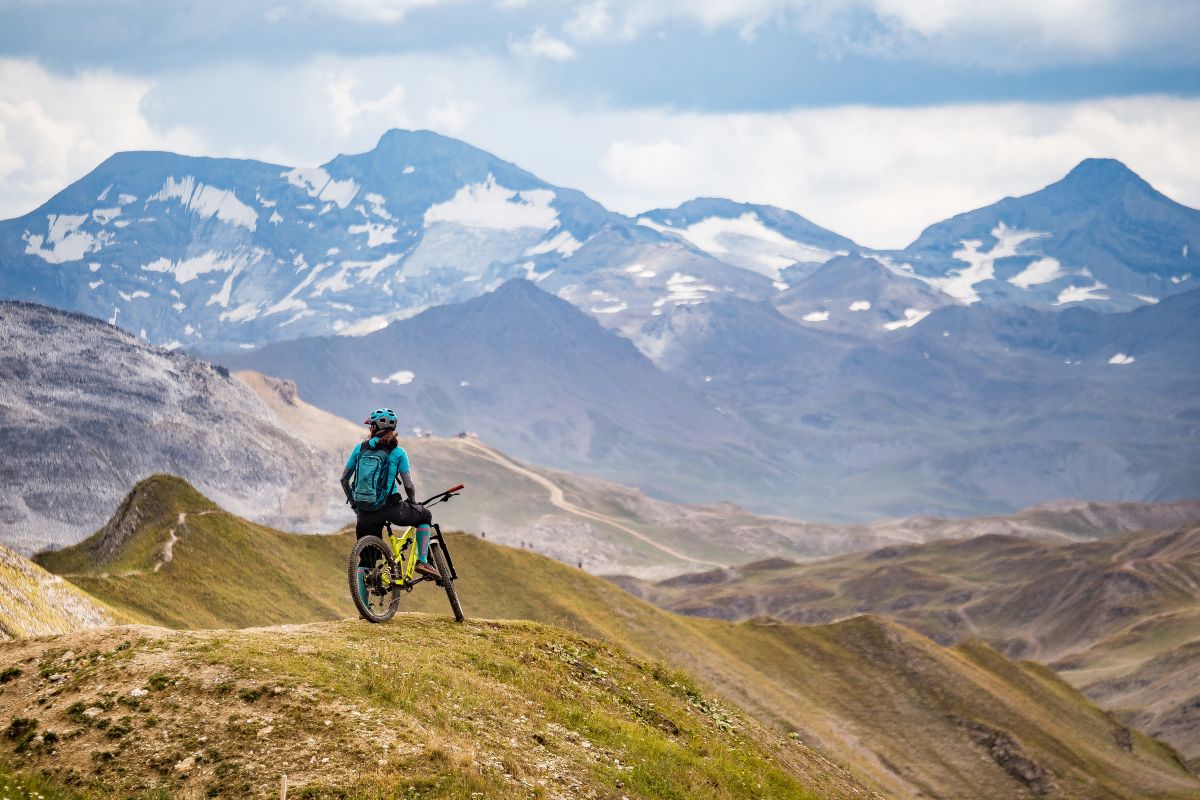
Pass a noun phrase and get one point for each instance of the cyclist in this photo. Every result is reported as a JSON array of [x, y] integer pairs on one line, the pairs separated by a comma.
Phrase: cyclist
[[373, 498]]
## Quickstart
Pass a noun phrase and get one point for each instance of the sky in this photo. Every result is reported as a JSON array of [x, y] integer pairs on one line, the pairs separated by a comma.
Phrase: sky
[[873, 118]]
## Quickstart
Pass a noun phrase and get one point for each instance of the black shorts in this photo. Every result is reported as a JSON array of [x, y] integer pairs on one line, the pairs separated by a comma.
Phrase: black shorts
[[403, 513]]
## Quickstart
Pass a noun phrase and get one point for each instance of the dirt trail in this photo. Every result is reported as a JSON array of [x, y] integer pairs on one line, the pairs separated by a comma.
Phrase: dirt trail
[[169, 548], [559, 501]]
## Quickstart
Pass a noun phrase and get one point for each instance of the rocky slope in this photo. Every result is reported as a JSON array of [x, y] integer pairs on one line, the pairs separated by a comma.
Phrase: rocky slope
[[87, 410]]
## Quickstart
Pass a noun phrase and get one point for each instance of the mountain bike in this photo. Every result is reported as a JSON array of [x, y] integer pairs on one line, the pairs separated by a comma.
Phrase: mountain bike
[[390, 564]]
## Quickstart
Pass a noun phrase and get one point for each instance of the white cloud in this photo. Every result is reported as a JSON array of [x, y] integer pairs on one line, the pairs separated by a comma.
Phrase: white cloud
[[542, 45], [1013, 35], [591, 21], [880, 175], [385, 11], [877, 175], [54, 129]]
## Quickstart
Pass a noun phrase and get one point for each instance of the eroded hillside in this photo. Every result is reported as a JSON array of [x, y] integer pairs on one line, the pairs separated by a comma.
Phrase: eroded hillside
[[1119, 618]]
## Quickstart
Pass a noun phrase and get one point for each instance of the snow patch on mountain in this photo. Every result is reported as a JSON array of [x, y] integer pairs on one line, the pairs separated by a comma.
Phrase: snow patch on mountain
[[1145, 298], [491, 205], [607, 303], [401, 378], [66, 242], [316, 182], [911, 317], [221, 298], [746, 242], [243, 313], [563, 243], [369, 270], [640, 271], [190, 268], [1121, 359], [207, 201], [960, 284], [860, 305], [684, 290], [364, 326], [816, 316], [377, 233], [377, 201], [1079, 294], [1041, 271], [106, 215]]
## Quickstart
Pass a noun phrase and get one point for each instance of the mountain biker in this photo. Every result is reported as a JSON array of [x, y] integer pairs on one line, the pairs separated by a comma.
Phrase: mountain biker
[[373, 501]]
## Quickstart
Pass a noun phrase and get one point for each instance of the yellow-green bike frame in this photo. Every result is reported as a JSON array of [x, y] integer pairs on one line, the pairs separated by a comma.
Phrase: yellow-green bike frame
[[405, 560]]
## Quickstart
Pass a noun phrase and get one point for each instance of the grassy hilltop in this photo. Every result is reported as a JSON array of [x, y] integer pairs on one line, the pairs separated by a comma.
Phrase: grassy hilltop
[[419, 708], [907, 717]]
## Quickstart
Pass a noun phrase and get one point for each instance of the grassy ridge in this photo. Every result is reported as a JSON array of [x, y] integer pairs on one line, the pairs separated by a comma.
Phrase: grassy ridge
[[419, 708], [859, 690], [1118, 618]]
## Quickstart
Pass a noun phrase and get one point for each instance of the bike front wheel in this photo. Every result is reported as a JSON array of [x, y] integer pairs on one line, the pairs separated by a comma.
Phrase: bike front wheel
[[439, 562], [374, 579]]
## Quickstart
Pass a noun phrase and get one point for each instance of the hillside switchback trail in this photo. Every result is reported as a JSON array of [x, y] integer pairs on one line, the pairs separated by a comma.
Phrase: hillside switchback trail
[[559, 501]]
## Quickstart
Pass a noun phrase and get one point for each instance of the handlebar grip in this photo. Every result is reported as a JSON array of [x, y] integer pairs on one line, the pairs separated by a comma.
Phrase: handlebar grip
[[455, 489]]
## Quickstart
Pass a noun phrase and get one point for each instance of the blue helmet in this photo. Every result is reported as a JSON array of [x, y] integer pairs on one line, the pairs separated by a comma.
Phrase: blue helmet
[[383, 419]]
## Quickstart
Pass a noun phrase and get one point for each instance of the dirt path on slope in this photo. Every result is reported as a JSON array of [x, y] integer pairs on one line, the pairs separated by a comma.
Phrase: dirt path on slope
[[559, 501]]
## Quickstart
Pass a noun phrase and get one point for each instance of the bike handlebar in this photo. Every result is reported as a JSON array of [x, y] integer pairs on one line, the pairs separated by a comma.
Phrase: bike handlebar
[[443, 496]]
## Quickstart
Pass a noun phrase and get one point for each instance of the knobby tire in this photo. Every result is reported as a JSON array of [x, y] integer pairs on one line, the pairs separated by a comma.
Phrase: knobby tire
[[365, 610], [439, 563]]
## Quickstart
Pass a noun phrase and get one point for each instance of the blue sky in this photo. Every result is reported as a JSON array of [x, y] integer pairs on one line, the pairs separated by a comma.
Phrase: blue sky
[[871, 117]]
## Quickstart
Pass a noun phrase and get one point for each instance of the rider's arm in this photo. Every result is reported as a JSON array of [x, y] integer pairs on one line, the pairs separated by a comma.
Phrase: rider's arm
[[409, 489], [349, 470], [400, 464]]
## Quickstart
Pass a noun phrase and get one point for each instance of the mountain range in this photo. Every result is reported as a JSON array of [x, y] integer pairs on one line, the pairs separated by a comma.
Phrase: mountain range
[[257, 252], [977, 411], [1040, 348]]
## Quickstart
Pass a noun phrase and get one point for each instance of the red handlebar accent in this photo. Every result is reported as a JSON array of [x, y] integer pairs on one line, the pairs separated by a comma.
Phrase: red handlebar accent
[[456, 488]]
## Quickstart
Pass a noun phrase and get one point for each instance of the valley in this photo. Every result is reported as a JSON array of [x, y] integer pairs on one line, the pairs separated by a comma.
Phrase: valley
[[1119, 617]]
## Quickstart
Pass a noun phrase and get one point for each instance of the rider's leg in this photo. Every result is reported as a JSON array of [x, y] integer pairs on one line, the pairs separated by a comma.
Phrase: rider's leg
[[419, 517], [423, 544], [423, 522], [370, 523]]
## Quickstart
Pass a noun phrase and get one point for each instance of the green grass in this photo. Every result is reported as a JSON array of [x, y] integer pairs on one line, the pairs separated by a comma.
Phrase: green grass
[[496, 710], [132, 541], [872, 695]]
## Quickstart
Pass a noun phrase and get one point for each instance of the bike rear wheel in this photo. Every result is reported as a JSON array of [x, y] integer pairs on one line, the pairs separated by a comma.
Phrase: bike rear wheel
[[439, 562], [378, 595]]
